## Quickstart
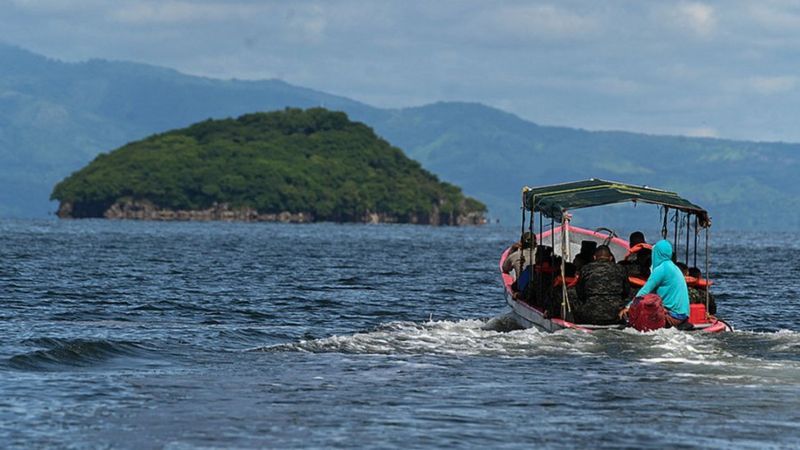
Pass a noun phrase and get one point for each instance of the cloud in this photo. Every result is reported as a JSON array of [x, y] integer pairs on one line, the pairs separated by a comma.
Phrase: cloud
[[55, 6], [697, 17], [538, 21], [307, 24], [775, 15], [773, 85], [703, 131], [145, 12]]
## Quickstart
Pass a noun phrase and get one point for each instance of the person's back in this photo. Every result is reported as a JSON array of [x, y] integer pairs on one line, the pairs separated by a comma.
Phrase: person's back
[[538, 293], [521, 252], [602, 290], [668, 282]]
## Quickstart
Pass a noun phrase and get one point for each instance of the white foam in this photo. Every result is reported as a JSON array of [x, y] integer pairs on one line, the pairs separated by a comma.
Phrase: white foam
[[459, 338]]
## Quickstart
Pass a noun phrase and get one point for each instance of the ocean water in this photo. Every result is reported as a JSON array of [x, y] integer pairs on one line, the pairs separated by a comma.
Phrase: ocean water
[[226, 335]]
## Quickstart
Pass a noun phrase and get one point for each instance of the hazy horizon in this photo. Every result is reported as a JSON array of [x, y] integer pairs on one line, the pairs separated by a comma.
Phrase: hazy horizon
[[707, 69]]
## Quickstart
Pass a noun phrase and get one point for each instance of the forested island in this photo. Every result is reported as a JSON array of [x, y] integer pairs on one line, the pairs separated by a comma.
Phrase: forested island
[[293, 166]]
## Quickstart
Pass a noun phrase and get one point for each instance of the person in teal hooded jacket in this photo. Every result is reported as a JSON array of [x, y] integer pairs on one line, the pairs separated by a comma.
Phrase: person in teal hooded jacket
[[667, 280]]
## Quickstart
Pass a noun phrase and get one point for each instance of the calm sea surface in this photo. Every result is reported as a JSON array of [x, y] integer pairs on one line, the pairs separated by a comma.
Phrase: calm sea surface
[[184, 335]]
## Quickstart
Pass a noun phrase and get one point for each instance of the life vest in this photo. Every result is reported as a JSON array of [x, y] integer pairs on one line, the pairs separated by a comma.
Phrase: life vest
[[635, 281], [699, 283], [571, 281], [637, 248]]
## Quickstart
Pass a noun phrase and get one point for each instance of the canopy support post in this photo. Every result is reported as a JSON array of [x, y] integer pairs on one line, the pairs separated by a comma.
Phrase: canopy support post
[[522, 225], [696, 233], [675, 251], [708, 274], [688, 227], [532, 250], [566, 311], [664, 231], [539, 287]]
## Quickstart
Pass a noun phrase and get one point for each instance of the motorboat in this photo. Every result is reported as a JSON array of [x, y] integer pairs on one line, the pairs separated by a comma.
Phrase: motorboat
[[555, 203]]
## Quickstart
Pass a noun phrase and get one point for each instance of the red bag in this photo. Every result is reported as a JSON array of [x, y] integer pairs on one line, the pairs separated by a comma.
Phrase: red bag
[[647, 313]]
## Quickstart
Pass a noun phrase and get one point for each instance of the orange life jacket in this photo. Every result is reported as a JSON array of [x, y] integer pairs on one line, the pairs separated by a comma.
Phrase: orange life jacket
[[571, 281], [636, 248], [699, 283], [637, 281]]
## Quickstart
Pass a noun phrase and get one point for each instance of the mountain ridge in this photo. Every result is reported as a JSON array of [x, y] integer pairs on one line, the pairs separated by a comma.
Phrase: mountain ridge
[[53, 123]]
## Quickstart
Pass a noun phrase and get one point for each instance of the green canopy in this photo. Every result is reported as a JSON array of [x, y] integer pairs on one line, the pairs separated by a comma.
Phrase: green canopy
[[556, 199]]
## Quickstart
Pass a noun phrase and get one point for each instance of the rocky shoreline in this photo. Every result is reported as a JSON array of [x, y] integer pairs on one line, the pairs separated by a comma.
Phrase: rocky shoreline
[[146, 210]]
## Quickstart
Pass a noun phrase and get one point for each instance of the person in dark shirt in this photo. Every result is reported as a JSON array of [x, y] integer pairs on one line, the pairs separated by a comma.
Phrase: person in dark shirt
[[602, 290], [579, 261], [538, 291], [637, 262]]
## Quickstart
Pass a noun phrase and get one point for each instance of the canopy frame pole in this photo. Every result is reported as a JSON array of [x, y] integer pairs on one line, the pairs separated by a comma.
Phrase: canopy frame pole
[[696, 233], [566, 310], [539, 287], [688, 227], [675, 251], [553, 235], [522, 225], [708, 272], [522, 233], [664, 231], [532, 250]]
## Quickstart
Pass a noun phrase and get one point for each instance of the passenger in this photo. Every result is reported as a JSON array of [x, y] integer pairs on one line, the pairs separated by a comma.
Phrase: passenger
[[667, 281], [579, 261], [683, 268], [587, 250], [637, 237], [518, 257], [543, 272], [697, 293], [553, 307], [602, 290], [637, 262]]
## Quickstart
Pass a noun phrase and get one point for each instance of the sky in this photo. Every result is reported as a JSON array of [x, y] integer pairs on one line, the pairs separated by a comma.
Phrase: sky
[[728, 69]]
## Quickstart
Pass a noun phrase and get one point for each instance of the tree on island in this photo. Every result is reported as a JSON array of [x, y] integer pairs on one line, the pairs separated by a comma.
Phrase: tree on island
[[316, 162]]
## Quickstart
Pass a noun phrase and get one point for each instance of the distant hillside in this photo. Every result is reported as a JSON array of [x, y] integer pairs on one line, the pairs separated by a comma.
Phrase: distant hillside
[[55, 117], [298, 165], [492, 154]]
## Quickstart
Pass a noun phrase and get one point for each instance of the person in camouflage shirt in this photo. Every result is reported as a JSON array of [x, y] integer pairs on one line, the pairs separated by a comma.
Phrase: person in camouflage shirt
[[602, 290]]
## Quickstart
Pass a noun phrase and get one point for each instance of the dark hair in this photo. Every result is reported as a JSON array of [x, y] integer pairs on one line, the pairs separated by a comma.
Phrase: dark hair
[[695, 272], [684, 268], [637, 237], [603, 252], [588, 248], [528, 239]]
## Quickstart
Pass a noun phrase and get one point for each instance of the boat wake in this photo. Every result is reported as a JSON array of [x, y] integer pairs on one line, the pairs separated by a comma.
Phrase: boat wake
[[741, 352], [460, 338]]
